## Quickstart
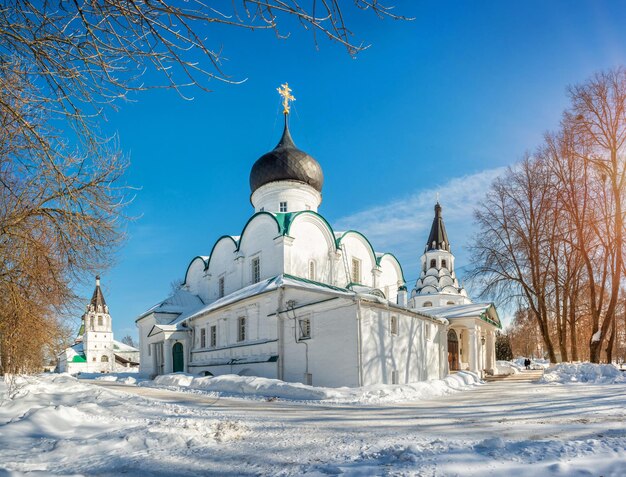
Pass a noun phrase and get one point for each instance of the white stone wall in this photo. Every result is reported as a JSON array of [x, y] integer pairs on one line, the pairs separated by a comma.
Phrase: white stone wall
[[414, 352], [332, 349]]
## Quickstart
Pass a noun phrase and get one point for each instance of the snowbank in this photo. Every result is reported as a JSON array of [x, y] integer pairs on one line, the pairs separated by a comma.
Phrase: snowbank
[[589, 373], [250, 386], [54, 423], [506, 368]]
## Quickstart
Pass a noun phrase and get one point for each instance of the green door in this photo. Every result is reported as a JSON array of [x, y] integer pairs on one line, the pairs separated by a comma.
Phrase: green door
[[179, 360]]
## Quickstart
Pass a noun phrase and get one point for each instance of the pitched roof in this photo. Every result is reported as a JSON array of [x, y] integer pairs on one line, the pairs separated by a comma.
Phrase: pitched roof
[[97, 299], [438, 238]]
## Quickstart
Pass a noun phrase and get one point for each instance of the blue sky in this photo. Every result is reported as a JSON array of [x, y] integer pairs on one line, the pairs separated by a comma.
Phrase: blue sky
[[438, 104]]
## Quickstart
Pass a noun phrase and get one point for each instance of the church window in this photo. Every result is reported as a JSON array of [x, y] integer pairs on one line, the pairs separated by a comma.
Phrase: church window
[[149, 350], [305, 328], [433, 263], [221, 287], [450, 303], [427, 330], [308, 379], [394, 325], [444, 264], [395, 377], [91, 323], [241, 328], [202, 337], [99, 320], [262, 209], [93, 359], [213, 337], [311, 269], [428, 303], [256, 270], [356, 270], [283, 207], [104, 359]]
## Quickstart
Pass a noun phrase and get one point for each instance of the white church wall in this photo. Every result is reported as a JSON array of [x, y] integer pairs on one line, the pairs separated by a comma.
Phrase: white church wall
[[258, 343], [332, 349], [313, 241], [412, 354], [146, 364]]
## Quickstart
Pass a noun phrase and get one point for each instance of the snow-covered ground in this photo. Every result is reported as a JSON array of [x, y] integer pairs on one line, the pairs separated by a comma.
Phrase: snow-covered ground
[[569, 373], [58, 425]]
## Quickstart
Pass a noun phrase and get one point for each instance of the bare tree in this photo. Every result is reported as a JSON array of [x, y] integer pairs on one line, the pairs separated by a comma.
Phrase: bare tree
[[598, 117]]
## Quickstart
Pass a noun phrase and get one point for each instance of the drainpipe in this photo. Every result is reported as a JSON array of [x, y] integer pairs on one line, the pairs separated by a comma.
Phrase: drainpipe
[[359, 341], [280, 334]]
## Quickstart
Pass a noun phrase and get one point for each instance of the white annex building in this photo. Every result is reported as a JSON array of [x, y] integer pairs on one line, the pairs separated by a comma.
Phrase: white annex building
[[95, 350], [292, 298]]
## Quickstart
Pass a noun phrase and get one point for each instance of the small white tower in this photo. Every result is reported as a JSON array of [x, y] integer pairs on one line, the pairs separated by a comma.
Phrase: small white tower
[[98, 334], [437, 284]]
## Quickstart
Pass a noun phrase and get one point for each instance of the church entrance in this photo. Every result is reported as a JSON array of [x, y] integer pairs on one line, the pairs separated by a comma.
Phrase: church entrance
[[453, 351], [178, 358]]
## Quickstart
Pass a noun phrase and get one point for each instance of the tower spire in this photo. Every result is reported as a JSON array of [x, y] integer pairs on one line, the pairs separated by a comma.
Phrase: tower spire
[[438, 237]]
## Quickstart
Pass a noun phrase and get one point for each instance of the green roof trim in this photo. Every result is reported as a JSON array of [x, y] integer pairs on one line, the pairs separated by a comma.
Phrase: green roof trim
[[79, 358], [485, 318], [313, 282]]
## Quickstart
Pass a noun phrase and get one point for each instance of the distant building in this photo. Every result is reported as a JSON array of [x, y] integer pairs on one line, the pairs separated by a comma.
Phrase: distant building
[[95, 350], [293, 299]]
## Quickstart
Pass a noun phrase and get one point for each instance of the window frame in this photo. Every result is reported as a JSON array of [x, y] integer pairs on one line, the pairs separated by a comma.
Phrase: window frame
[[221, 286], [356, 270], [283, 207], [394, 327], [241, 329], [312, 270], [203, 337], [213, 336], [304, 324], [255, 269]]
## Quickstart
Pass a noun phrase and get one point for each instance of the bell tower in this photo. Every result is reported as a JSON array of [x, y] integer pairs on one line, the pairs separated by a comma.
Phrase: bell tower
[[98, 333], [437, 284]]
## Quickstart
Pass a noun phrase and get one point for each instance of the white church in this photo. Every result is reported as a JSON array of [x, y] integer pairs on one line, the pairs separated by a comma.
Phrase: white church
[[293, 299], [95, 350]]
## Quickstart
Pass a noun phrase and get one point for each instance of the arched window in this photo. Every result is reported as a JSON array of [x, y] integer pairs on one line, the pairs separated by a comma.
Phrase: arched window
[[100, 320], [444, 264], [312, 274], [428, 303], [104, 359], [91, 323], [433, 263]]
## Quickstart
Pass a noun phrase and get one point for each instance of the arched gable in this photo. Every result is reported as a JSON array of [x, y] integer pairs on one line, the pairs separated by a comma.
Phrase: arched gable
[[313, 241], [195, 269], [358, 246], [391, 276], [254, 221]]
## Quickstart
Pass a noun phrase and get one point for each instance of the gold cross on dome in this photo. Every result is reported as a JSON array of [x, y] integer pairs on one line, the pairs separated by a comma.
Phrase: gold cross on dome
[[285, 92]]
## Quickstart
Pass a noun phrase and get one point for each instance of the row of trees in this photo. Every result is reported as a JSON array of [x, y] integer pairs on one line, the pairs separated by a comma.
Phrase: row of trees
[[62, 194], [551, 239]]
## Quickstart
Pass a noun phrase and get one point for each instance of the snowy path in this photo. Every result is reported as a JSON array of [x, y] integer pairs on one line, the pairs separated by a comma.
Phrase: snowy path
[[506, 409]]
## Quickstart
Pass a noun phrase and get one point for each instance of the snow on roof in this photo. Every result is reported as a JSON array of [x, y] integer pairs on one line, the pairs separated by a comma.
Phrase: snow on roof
[[119, 346], [471, 310], [259, 288], [180, 302]]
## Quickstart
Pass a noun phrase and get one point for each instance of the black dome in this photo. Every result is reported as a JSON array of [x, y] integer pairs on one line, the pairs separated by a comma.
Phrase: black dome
[[286, 163]]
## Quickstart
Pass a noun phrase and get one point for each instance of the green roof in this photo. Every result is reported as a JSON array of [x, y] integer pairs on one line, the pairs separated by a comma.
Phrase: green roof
[[79, 358]]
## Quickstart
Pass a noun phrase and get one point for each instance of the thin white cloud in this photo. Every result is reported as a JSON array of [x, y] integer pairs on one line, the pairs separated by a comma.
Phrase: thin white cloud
[[402, 226]]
